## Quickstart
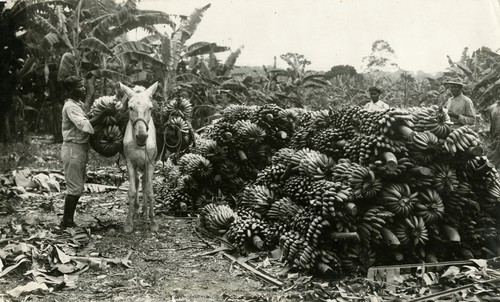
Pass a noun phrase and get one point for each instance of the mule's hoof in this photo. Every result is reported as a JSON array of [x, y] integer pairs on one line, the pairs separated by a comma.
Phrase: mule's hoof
[[128, 228], [153, 227]]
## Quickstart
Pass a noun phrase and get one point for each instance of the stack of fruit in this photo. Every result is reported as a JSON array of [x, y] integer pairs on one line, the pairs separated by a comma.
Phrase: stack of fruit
[[347, 189]]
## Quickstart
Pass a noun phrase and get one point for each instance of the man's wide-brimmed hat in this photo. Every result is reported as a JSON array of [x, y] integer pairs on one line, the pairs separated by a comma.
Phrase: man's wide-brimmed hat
[[454, 81]]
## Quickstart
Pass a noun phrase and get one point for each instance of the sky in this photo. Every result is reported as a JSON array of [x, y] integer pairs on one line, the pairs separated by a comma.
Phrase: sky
[[338, 32]]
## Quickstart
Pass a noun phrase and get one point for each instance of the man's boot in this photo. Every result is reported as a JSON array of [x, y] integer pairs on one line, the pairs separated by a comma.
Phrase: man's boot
[[70, 203]]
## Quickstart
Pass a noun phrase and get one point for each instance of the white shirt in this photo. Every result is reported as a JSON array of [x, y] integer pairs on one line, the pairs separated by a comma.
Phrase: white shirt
[[378, 106]]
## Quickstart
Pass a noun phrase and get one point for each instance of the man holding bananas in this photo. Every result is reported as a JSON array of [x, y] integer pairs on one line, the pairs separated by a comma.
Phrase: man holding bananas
[[76, 129], [460, 108]]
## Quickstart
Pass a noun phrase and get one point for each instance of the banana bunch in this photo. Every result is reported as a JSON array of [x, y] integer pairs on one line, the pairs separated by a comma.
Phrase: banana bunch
[[297, 156], [316, 165], [361, 149], [315, 229], [195, 165], [445, 178], [283, 210], [217, 218], [175, 200], [328, 262], [234, 113], [461, 139], [478, 169], [177, 134], [187, 183], [102, 103], [478, 233], [430, 206], [398, 199], [425, 147], [272, 176], [222, 132], [272, 119], [107, 140], [258, 198], [179, 107], [298, 188], [247, 234], [291, 243], [249, 134], [357, 258], [369, 227], [364, 182], [411, 231], [209, 149], [330, 198], [394, 121], [432, 119], [342, 171], [327, 141], [306, 258], [282, 156]]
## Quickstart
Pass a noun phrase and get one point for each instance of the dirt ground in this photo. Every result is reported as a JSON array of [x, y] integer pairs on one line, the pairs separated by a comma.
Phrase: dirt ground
[[169, 265]]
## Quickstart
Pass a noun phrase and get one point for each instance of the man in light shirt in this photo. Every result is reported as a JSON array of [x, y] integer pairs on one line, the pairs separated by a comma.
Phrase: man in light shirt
[[76, 130], [460, 108], [375, 104]]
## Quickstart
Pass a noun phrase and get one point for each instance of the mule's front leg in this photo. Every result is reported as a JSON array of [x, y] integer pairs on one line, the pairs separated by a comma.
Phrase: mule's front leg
[[132, 198], [149, 197]]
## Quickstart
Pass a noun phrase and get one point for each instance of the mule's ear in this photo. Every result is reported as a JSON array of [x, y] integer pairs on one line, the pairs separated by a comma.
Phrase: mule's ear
[[127, 90], [151, 90]]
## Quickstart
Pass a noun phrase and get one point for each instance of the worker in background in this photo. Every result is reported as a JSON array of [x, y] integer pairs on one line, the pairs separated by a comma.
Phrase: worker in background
[[460, 108], [376, 104]]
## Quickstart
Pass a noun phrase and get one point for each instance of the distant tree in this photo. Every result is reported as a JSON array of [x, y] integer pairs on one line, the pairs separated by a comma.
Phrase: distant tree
[[465, 56], [382, 57], [341, 70]]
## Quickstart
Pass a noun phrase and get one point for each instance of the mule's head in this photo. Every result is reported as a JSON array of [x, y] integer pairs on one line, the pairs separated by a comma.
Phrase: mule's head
[[139, 107]]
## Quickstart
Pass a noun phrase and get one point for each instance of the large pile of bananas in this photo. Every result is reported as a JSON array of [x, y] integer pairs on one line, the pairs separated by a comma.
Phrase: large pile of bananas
[[340, 191]]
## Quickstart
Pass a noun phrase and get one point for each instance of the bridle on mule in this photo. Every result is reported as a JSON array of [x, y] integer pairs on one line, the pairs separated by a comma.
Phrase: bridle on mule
[[140, 119]]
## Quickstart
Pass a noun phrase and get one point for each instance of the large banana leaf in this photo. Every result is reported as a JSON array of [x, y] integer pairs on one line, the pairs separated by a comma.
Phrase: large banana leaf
[[131, 46], [176, 44], [94, 44], [67, 66], [111, 75], [203, 48], [205, 71], [189, 27], [231, 60], [151, 39], [166, 51], [141, 57]]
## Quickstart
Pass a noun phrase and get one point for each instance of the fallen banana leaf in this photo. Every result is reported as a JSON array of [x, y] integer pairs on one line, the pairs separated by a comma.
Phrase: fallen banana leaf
[[28, 288]]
